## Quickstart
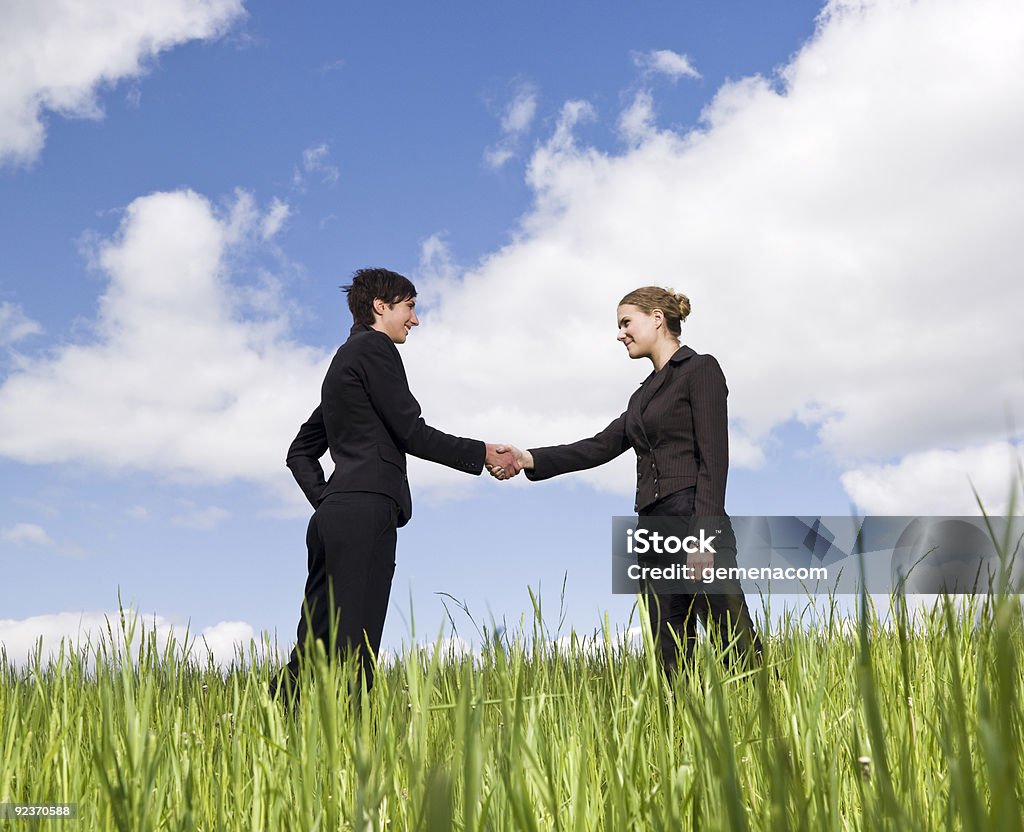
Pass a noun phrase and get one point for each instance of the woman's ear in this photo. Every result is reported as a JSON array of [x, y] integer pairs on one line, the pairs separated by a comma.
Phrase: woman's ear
[[659, 318]]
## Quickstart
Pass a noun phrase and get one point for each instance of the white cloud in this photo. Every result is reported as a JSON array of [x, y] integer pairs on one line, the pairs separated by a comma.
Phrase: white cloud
[[226, 639], [276, 216], [186, 372], [848, 233], [331, 66], [665, 62], [33, 535], [594, 644], [520, 111], [316, 164], [940, 482], [15, 324], [28, 533], [515, 122], [636, 122], [81, 630], [438, 273], [498, 155], [56, 54], [202, 518], [138, 513]]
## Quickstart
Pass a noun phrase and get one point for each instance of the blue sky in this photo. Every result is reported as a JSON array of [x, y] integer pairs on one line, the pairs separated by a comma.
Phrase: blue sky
[[183, 190]]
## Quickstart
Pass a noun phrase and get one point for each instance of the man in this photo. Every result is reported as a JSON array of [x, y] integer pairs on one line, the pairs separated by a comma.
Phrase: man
[[369, 420]]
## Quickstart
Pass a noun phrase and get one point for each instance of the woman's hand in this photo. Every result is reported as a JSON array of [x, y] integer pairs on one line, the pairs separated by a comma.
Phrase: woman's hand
[[523, 459], [698, 562]]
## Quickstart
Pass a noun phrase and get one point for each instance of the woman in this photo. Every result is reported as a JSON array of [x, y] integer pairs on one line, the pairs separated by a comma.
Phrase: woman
[[677, 424]]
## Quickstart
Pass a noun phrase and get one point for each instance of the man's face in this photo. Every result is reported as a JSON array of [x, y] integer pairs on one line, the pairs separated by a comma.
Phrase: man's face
[[396, 319]]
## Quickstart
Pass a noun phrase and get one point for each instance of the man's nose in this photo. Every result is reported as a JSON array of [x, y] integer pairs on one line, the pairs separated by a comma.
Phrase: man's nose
[[414, 320]]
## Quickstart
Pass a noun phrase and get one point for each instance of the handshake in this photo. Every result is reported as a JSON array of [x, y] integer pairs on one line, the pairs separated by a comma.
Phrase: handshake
[[505, 461]]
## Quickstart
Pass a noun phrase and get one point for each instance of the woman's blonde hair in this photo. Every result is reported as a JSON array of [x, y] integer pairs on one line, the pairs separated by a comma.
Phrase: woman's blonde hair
[[673, 305]]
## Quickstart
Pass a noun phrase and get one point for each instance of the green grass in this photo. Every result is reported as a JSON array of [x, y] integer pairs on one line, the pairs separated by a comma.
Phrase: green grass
[[848, 725]]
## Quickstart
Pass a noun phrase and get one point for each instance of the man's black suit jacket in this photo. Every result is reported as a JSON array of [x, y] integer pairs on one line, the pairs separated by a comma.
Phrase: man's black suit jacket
[[369, 420], [677, 422]]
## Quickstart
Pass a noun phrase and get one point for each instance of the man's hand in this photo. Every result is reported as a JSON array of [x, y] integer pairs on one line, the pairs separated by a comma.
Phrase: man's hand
[[505, 461], [500, 462]]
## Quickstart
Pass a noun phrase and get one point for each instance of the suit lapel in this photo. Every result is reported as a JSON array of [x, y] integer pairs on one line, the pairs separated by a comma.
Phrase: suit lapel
[[654, 385], [680, 355], [638, 404]]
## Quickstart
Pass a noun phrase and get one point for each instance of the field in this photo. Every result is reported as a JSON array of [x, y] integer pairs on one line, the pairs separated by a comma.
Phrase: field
[[870, 723]]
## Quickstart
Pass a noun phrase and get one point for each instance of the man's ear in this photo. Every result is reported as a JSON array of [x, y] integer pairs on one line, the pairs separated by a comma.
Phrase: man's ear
[[378, 305]]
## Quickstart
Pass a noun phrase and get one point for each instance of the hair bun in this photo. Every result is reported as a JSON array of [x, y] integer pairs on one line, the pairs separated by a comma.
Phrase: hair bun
[[683, 301]]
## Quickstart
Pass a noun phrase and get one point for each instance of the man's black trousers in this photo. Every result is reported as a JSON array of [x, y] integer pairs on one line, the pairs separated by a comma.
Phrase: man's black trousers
[[351, 542]]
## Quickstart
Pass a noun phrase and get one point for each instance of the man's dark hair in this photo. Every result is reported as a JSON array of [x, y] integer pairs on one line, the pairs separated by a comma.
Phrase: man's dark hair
[[368, 284]]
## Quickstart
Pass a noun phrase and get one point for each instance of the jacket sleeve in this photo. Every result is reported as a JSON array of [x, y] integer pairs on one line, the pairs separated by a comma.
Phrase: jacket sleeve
[[304, 457], [578, 456], [388, 388], [708, 393]]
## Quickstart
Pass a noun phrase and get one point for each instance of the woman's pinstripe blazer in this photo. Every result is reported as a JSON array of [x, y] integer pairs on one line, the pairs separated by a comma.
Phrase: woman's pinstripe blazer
[[677, 422]]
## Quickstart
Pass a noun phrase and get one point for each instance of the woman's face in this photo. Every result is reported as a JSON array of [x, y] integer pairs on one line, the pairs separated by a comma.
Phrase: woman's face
[[638, 330]]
